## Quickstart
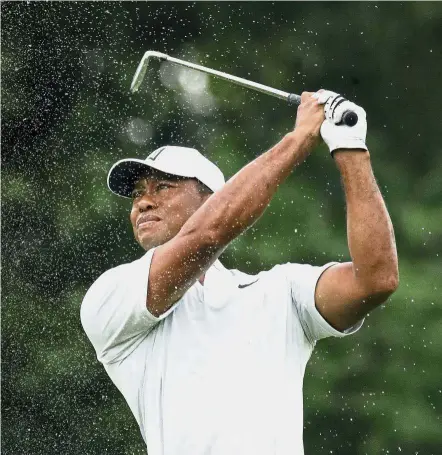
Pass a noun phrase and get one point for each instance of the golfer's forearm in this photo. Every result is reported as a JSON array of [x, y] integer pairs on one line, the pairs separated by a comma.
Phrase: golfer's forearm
[[369, 229], [246, 195]]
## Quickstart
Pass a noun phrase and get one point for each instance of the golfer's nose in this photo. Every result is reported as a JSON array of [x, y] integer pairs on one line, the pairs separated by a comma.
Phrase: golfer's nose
[[146, 203]]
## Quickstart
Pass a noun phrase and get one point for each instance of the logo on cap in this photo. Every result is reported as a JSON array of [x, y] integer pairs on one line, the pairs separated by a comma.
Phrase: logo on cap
[[154, 155]]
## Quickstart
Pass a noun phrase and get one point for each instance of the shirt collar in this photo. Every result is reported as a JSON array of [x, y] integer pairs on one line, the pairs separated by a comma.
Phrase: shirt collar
[[218, 266], [217, 274]]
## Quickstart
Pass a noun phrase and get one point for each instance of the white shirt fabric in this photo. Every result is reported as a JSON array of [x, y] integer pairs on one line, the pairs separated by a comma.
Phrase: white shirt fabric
[[221, 372]]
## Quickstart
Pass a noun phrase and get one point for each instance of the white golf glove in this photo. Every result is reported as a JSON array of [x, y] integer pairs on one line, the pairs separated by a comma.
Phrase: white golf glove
[[341, 136]]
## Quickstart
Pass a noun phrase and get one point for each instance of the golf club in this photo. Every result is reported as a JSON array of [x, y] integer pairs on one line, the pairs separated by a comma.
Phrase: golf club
[[349, 118]]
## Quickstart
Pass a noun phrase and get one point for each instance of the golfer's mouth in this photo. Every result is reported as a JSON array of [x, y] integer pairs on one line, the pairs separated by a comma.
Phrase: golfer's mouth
[[147, 221]]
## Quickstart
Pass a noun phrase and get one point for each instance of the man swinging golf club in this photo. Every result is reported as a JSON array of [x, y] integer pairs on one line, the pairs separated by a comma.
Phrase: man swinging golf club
[[210, 360]]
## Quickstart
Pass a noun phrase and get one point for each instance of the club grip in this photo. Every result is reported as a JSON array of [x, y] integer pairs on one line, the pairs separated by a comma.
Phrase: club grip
[[294, 99], [349, 118]]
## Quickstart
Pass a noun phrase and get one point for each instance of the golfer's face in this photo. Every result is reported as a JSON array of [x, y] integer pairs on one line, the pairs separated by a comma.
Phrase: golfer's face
[[160, 207]]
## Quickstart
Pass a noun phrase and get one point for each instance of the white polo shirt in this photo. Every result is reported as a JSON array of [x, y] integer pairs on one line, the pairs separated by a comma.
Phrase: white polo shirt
[[221, 372]]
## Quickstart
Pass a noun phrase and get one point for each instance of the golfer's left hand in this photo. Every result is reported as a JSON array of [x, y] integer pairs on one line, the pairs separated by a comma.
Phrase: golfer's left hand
[[336, 135]]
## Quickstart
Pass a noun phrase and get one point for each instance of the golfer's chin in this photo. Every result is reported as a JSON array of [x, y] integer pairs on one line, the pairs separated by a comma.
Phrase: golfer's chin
[[149, 240]]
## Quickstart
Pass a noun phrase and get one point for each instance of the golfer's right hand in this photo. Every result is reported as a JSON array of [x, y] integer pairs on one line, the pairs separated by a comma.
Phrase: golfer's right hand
[[309, 117]]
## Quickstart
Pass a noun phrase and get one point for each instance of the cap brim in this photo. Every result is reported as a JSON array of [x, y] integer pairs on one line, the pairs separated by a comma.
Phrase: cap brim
[[124, 174]]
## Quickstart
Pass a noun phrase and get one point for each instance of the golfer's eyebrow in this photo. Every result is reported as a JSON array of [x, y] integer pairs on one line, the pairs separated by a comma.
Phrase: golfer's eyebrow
[[140, 185]]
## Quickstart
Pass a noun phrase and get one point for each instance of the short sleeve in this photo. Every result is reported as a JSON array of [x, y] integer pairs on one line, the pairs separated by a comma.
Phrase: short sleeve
[[302, 280], [114, 313]]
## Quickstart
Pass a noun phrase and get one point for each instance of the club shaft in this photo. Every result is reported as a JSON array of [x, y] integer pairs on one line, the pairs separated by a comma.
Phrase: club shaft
[[228, 77]]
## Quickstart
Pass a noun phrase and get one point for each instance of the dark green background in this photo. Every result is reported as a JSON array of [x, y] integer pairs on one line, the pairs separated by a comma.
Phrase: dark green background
[[66, 117]]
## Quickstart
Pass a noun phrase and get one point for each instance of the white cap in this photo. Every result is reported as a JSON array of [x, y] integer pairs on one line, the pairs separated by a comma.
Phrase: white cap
[[181, 161]]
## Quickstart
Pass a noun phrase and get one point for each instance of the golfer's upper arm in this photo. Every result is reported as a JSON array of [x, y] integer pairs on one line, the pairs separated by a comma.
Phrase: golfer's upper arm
[[341, 299], [113, 312]]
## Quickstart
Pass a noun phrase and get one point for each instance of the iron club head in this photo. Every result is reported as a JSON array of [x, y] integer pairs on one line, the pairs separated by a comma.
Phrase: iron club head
[[142, 67]]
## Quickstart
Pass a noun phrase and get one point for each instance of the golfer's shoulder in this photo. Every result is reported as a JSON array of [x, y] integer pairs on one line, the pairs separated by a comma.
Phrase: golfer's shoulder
[[292, 271], [119, 279], [98, 295], [110, 277], [107, 282]]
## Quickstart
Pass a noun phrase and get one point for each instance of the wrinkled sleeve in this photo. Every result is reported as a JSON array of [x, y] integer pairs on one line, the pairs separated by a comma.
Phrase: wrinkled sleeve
[[302, 280], [114, 313]]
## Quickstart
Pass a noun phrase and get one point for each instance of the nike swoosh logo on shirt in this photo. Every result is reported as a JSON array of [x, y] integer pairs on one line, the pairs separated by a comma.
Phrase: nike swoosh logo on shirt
[[241, 286]]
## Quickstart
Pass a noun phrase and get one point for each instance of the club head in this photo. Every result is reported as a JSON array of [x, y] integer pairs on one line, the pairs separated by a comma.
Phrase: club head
[[142, 68]]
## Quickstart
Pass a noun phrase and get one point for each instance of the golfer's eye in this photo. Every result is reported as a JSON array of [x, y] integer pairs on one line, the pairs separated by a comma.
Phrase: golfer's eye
[[163, 186], [136, 194]]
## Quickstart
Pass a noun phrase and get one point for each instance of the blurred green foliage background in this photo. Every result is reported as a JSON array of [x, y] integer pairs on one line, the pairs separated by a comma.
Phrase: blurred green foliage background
[[67, 116]]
